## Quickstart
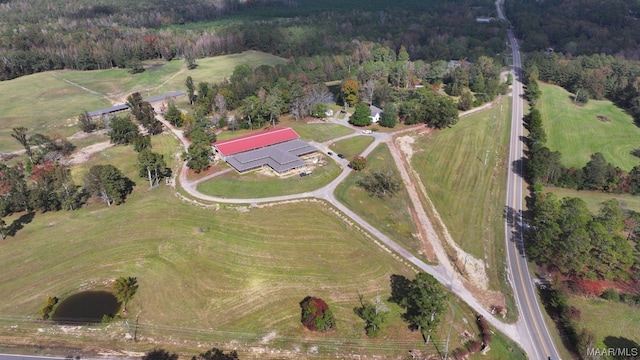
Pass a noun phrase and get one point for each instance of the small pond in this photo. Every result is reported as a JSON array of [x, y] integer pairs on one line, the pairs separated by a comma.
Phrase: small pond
[[86, 307]]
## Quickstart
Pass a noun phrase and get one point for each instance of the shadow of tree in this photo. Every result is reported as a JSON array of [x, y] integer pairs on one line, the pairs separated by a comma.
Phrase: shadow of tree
[[623, 348], [399, 288], [19, 223]]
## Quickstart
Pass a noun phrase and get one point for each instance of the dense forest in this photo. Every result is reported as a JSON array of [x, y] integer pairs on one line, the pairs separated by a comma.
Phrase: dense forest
[[577, 27], [37, 36]]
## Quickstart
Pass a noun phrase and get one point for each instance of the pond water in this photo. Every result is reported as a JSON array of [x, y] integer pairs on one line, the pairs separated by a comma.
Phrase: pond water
[[86, 307]]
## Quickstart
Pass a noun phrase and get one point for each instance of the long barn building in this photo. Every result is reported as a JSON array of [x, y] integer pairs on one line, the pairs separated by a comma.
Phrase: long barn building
[[278, 148]]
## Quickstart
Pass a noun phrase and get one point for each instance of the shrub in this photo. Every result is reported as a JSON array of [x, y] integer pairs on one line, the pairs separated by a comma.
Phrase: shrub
[[358, 163], [611, 294], [460, 354], [316, 315], [474, 346], [48, 308]]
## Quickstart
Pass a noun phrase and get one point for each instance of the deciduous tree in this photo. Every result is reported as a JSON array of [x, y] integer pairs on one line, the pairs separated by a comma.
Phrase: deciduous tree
[[373, 313], [381, 183], [152, 167], [358, 163], [350, 89], [85, 123], [316, 314], [20, 134], [108, 183], [123, 130], [425, 301]]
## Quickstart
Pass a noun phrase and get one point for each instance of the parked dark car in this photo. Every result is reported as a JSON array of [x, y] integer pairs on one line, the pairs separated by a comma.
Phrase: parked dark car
[[329, 153], [341, 156]]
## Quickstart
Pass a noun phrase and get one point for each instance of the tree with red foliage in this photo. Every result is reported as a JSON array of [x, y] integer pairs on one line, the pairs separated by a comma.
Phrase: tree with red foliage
[[474, 346], [316, 315], [485, 331], [358, 163]]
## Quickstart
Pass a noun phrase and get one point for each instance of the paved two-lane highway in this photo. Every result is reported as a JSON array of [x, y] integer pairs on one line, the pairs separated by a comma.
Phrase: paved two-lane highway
[[532, 321]]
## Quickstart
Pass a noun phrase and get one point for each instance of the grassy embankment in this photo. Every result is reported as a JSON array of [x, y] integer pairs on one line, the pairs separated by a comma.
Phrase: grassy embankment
[[468, 193], [389, 215], [46, 103], [212, 276], [577, 132]]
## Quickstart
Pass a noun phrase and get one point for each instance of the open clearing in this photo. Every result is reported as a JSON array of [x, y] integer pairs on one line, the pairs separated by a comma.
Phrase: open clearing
[[43, 104], [241, 270], [389, 215], [577, 132], [50, 102], [594, 199], [469, 194], [608, 318], [229, 276]]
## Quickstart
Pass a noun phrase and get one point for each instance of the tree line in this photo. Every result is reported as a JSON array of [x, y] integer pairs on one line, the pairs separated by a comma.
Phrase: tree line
[[544, 166], [595, 76], [85, 37], [577, 27], [408, 90]]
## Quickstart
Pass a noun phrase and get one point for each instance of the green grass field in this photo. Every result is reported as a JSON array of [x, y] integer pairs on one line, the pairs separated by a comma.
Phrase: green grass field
[[163, 76], [576, 132], [234, 274], [260, 184], [318, 132], [43, 104], [607, 318], [468, 194], [389, 215], [352, 146], [50, 102], [594, 199], [233, 270]]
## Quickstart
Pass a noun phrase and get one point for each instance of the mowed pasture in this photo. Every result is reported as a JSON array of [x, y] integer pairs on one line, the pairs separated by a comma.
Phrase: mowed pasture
[[594, 199], [265, 183], [161, 76], [391, 215], [463, 169], [352, 146], [577, 131], [239, 272], [43, 103], [608, 319], [51, 102]]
